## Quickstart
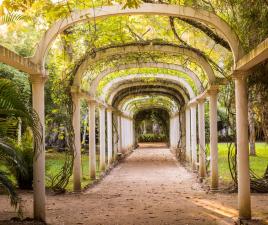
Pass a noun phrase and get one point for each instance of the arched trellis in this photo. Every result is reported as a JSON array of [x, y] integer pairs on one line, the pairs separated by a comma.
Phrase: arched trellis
[[167, 48], [203, 16], [136, 90], [131, 78], [140, 102], [94, 84], [242, 127], [162, 92], [184, 97]]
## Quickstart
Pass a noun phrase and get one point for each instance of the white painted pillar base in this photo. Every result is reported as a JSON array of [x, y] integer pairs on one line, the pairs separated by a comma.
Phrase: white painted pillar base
[[92, 141], [213, 96], [39, 194], [241, 103], [77, 142], [102, 138]]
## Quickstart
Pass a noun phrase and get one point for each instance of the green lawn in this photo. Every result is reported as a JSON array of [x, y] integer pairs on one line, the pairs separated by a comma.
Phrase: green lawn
[[54, 162], [258, 163]]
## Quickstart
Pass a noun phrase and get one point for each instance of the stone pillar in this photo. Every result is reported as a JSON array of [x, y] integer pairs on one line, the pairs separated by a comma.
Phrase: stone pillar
[[119, 133], [131, 134], [77, 140], [170, 133], [177, 131], [188, 134], [193, 136], [102, 138], [126, 134], [39, 194], [109, 136], [183, 130], [213, 96], [202, 138], [123, 134], [241, 104], [92, 139], [115, 137]]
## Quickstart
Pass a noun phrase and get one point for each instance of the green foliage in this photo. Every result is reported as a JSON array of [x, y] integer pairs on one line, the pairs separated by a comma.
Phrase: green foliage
[[25, 151], [152, 138], [13, 107]]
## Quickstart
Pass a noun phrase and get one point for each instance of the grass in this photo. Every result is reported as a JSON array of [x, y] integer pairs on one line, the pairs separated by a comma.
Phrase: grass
[[258, 163], [55, 161]]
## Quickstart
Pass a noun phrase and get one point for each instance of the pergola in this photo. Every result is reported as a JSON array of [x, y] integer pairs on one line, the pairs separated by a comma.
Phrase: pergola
[[119, 98]]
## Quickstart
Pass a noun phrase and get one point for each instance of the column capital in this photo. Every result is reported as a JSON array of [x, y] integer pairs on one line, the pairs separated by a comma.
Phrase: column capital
[[213, 90], [110, 109], [240, 74], [38, 78], [101, 106], [119, 113], [92, 102], [192, 104], [175, 114], [201, 100]]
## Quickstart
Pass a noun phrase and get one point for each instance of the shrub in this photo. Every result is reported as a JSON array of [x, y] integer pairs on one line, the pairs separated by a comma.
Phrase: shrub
[[152, 138]]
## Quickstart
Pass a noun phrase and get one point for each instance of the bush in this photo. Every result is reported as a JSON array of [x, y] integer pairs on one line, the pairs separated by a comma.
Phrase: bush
[[152, 138], [25, 152], [25, 181]]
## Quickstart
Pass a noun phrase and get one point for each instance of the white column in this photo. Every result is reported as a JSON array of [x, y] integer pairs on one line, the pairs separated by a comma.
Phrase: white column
[[123, 134], [174, 132], [119, 133], [182, 135], [213, 96], [131, 134], [128, 134], [177, 130], [102, 138], [115, 141], [171, 134], [202, 138], [241, 103], [39, 194], [188, 134], [193, 136], [77, 141], [92, 140], [109, 136]]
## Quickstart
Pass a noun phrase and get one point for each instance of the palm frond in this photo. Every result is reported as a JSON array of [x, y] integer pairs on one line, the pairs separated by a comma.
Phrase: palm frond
[[11, 17], [11, 105], [7, 185], [10, 155]]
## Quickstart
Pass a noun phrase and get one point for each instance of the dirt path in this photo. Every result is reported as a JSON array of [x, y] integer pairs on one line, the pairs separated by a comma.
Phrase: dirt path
[[148, 188]]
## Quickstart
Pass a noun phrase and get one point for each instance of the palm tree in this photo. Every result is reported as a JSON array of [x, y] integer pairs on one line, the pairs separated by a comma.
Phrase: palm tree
[[12, 108]]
